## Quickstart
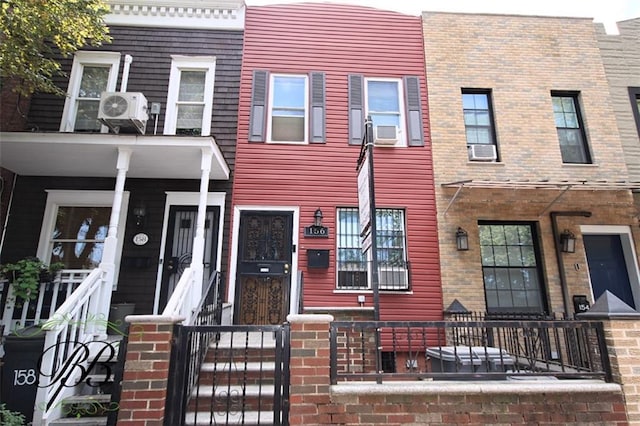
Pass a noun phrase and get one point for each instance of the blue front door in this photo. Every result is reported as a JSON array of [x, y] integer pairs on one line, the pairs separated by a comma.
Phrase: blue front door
[[607, 267]]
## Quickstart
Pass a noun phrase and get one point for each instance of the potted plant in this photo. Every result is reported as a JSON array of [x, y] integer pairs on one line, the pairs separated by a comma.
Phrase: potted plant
[[25, 276]]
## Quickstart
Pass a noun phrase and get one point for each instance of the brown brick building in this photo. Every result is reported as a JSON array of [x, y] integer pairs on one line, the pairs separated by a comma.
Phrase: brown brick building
[[526, 148]]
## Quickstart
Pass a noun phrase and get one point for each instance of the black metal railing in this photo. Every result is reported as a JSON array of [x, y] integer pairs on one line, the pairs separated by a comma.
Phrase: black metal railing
[[244, 379], [392, 275], [479, 350], [209, 310]]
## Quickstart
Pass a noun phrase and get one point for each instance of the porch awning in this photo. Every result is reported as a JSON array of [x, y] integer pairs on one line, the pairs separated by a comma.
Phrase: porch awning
[[559, 185], [95, 155]]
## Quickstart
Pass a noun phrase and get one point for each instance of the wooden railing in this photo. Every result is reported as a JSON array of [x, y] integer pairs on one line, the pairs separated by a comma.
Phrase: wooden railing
[[74, 339], [180, 303], [50, 296]]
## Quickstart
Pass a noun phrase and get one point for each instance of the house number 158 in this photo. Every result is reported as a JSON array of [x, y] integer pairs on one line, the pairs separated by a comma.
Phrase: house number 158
[[24, 377]]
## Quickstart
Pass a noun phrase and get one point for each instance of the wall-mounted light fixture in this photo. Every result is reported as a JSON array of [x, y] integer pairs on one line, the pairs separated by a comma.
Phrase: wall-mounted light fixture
[[317, 218], [462, 239], [568, 242], [139, 212]]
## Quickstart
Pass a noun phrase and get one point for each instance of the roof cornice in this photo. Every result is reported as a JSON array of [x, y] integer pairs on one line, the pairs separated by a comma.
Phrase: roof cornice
[[197, 14]]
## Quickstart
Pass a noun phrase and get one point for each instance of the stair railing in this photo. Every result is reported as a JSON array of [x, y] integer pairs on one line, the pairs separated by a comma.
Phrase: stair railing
[[180, 303], [79, 321]]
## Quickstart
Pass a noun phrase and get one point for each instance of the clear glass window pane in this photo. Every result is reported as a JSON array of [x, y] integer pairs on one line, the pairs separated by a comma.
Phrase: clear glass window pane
[[78, 236], [94, 81], [192, 86], [383, 96], [190, 116], [87, 116], [385, 119], [483, 136], [288, 92]]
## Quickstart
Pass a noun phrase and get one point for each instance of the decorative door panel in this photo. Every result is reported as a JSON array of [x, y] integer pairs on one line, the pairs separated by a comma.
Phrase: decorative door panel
[[264, 267]]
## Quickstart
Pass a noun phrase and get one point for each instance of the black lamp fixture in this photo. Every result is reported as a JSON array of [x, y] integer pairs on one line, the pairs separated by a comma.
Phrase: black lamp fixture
[[462, 239], [568, 242], [317, 217], [139, 212]]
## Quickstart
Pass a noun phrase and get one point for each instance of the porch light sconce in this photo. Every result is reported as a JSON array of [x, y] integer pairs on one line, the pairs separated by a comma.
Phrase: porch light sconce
[[317, 218], [462, 239], [139, 213], [568, 242]]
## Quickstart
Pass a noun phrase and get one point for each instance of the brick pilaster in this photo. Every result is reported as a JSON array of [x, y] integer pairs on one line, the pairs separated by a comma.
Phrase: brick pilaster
[[310, 381], [146, 371], [623, 341]]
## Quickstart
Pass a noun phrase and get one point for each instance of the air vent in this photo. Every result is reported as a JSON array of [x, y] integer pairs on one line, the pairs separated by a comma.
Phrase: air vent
[[481, 152], [122, 111]]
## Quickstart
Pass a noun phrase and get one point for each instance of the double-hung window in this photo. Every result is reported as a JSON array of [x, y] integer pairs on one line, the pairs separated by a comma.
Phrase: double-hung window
[[354, 267], [288, 108], [634, 96], [190, 96], [478, 123], [384, 106], [92, 73], [288, 103], [510, 259], [570, 128]]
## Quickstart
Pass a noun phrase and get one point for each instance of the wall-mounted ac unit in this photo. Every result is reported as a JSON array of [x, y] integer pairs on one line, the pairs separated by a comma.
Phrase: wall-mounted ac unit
[[385, 135], [481, 152], [123, 110]]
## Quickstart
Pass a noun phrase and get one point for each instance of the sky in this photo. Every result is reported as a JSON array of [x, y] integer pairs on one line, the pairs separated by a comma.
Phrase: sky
[[606, 11]]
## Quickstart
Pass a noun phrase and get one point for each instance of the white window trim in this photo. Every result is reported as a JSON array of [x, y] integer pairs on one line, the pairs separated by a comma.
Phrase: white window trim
[[181, 63], [628, 250], [306, 109], [402, 129], [80, 60], [56, 198]]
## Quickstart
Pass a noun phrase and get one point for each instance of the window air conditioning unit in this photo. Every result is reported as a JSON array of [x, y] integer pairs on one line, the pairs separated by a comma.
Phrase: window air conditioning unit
[[480, 152], [123, 111], [385, 135]]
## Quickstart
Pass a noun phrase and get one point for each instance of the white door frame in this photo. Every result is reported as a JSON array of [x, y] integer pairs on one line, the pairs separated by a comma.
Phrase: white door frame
[[187, 199], [628, 249], [233, 267]]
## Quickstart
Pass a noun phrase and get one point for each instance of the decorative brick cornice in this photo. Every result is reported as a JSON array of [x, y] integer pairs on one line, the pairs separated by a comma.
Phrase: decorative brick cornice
[[207, 14]]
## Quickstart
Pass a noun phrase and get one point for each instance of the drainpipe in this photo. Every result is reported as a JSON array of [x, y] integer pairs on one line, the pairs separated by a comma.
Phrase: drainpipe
[[556, 240]]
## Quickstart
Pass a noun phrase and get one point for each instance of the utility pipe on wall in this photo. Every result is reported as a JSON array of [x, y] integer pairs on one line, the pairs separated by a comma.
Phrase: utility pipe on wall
[[557, 245]]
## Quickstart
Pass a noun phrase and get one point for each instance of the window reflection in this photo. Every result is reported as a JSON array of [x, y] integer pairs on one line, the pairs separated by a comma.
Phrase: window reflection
[[78, 236]]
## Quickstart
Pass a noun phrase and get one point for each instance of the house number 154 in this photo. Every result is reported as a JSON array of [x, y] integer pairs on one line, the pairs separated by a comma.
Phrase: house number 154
[[24, 377]]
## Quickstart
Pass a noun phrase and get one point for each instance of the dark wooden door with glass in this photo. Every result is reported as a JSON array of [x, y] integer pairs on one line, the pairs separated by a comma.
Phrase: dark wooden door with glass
[[264, 267]]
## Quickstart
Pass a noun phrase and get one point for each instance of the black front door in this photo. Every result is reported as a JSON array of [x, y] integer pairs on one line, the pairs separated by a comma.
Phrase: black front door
[[264, 267], [607, 267], [179, 246]]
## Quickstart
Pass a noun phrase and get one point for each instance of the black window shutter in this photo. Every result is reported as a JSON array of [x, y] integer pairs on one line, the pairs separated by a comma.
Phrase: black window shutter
[[317, 122], [414, 110], [356, 109], [257, 128]]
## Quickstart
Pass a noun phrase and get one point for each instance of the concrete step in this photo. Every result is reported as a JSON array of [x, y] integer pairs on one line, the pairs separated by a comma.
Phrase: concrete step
[[249, 418], [83, 421]]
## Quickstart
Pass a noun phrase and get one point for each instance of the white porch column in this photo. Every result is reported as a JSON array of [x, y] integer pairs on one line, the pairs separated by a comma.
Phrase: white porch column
[[197, 257], [108, 263]]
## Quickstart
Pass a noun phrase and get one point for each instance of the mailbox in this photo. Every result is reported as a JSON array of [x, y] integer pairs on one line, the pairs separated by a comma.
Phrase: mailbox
[[318, 258]]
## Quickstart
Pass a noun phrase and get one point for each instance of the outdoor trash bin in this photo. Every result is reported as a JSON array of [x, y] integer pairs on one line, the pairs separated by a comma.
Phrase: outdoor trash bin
[[23, 349], [468, 359]]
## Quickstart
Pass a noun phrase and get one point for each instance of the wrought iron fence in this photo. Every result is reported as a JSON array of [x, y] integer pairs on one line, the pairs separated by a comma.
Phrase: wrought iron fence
[[244, 378], [464, 350]]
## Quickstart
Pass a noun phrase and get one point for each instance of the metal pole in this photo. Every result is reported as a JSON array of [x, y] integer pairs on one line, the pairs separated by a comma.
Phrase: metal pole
[[375, 281]]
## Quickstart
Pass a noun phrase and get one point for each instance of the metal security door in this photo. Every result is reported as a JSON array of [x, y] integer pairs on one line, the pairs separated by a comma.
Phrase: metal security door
[[264, 267], [179, 246], [607, 267]]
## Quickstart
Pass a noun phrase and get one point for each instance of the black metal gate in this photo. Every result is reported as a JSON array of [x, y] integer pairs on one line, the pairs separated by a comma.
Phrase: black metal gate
[[222, 375]]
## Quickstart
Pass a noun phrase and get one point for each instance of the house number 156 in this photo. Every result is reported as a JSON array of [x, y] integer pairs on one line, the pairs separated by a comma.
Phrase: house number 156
[[24, 377]]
